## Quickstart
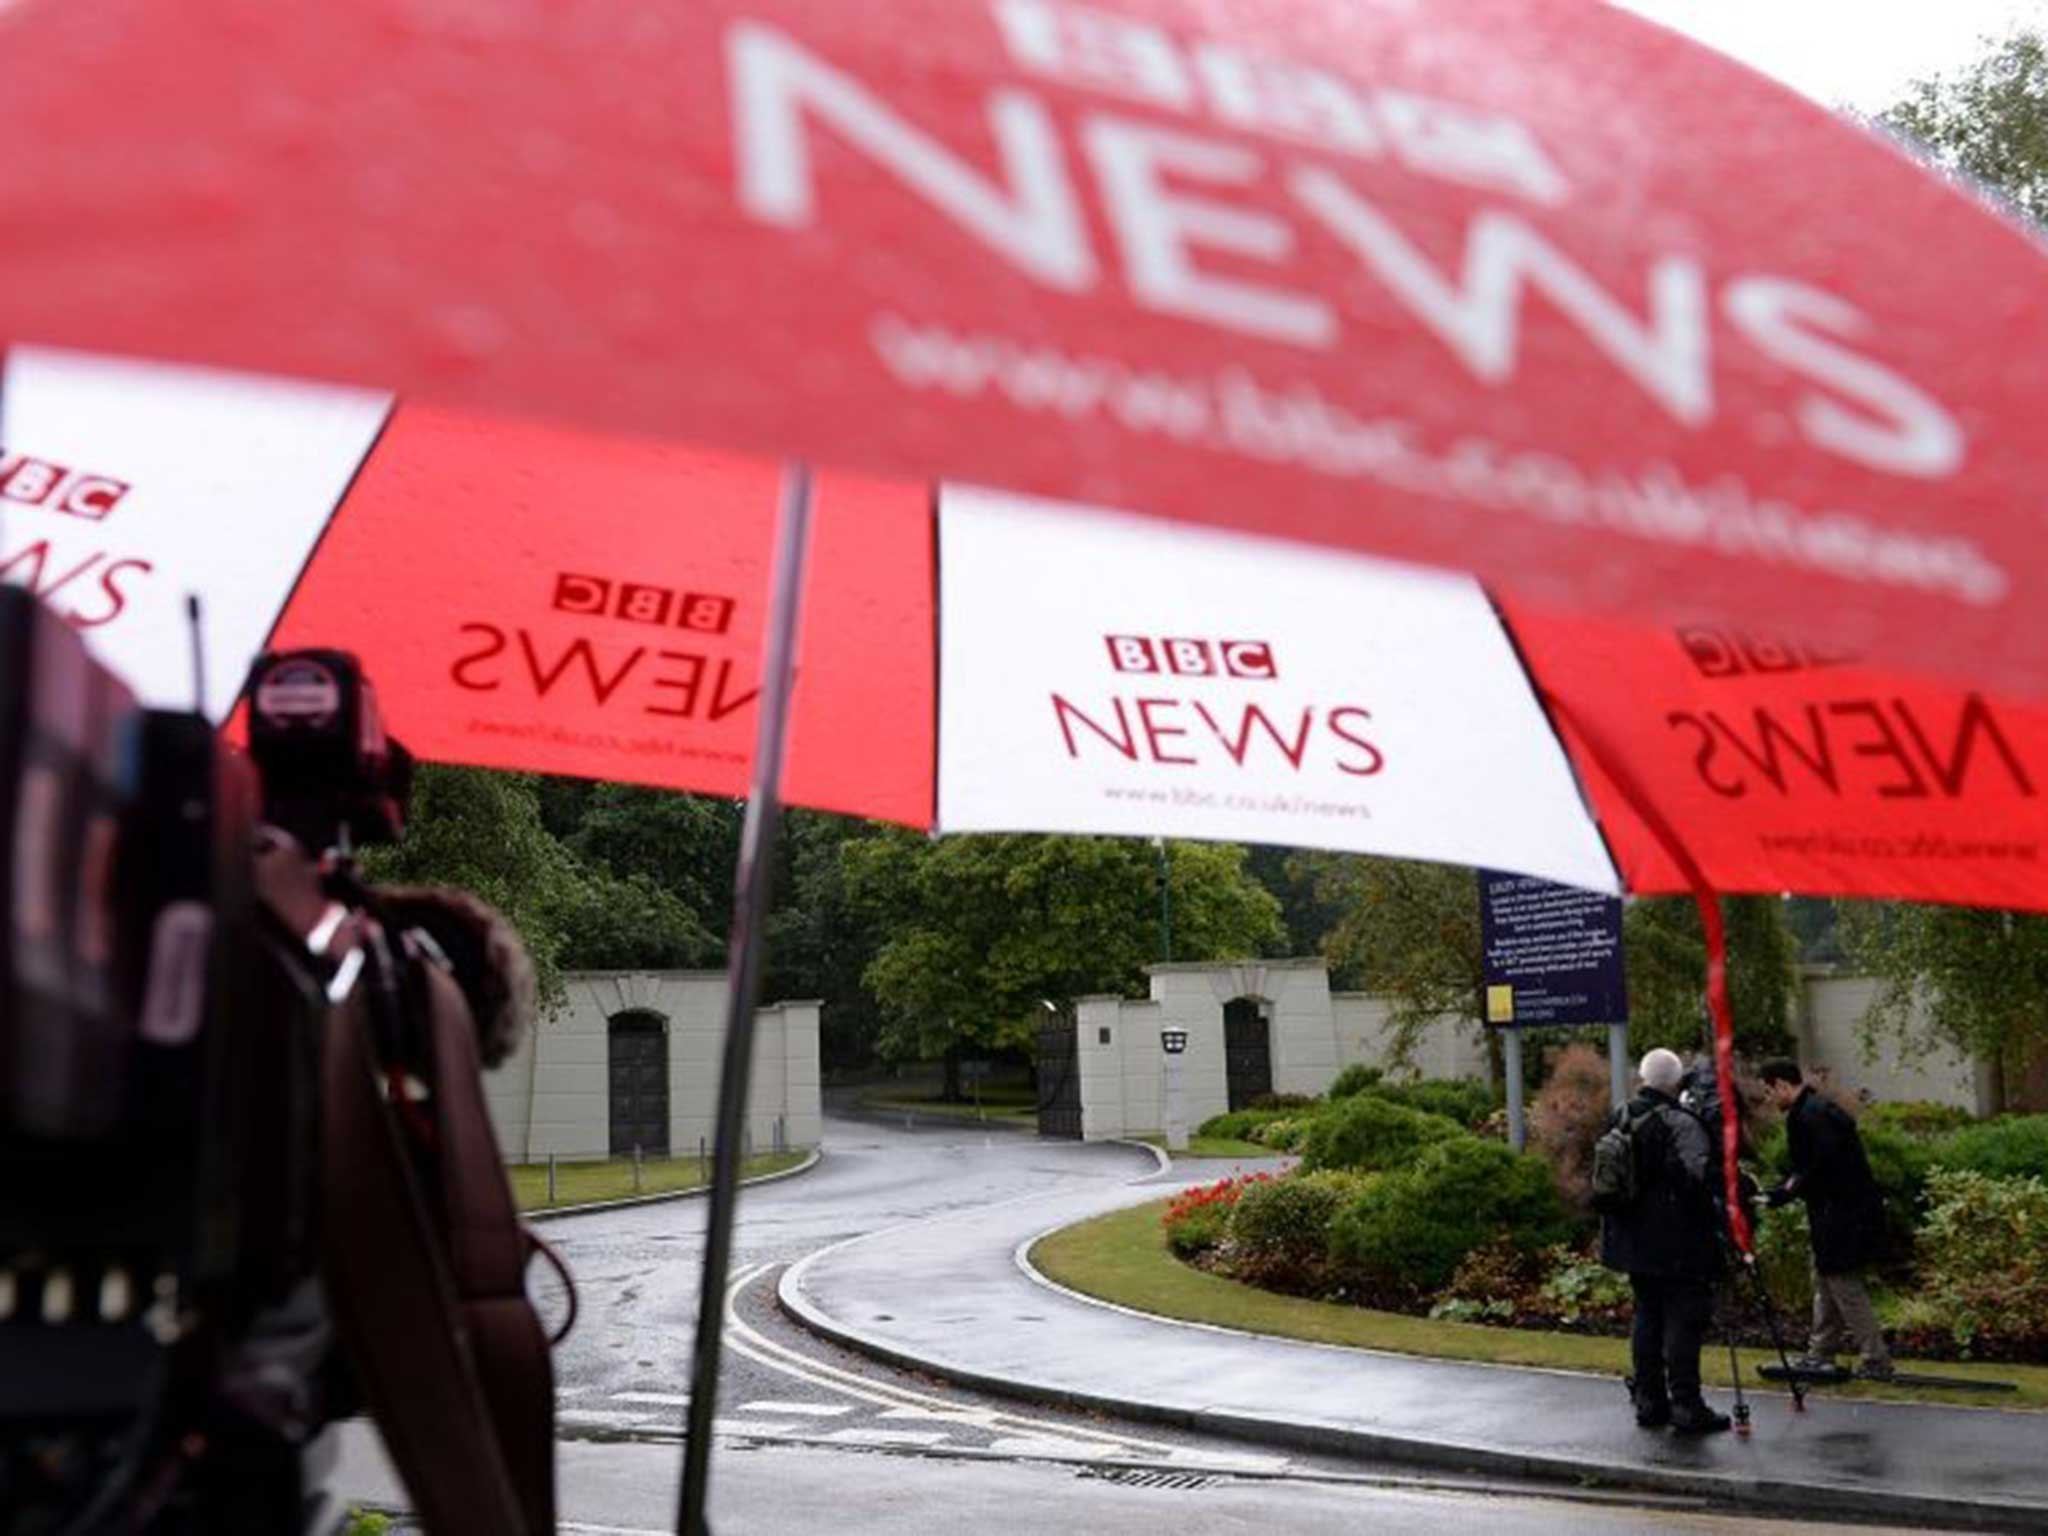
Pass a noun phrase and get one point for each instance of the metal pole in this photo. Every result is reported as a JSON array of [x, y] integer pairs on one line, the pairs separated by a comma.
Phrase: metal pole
[[636, 1167], [1518, 1124], [1617, 1063], [1165, 902], [743, 979], [551, 1178]]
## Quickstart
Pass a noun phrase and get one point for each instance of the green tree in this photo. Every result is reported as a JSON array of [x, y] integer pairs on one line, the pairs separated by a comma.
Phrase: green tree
[[1958, 976], [686, 844], [482, 830], [1988, 121], [1973, 979], [822, 937], [981, 928], [1410, 931]]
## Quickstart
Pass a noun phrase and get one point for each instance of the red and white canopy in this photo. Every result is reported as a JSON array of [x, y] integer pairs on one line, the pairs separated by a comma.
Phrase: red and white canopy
[[541, 599]]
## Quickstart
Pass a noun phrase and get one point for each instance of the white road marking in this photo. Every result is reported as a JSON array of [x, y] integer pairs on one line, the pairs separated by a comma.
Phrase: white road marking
[[807, 1410], [1045, 1445], [757, 1427], [745, 1341], [884, 1437], [980, 1418], [658, 1399]]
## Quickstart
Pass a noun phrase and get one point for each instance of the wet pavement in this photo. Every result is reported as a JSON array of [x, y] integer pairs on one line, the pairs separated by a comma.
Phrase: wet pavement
[[947, 1295]]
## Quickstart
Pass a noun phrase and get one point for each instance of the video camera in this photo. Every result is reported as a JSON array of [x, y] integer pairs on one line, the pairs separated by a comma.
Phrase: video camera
[[247, 1181]]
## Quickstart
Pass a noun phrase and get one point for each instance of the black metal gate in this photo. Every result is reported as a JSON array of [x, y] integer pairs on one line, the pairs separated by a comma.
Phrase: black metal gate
[[1247, 1053], [638, 1058], [1059, 1077]]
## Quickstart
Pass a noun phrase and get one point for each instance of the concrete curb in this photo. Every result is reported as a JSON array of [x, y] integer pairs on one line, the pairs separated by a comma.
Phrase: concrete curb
[[1759, 1495], [698, 1192], [1163, 1159]]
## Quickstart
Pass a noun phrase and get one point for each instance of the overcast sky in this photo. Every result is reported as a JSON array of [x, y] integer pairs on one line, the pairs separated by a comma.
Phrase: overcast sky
[[1857, 53]]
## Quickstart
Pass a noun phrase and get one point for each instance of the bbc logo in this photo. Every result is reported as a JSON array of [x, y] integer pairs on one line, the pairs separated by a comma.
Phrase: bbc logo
[[1192, 658], [703, 612], [40, 483]]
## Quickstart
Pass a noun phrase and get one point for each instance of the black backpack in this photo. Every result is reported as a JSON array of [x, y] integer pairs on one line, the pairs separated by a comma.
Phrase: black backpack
[[1617, 1178]]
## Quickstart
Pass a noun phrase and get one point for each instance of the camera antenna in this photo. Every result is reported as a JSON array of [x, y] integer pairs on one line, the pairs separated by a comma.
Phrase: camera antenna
[[198, 653]]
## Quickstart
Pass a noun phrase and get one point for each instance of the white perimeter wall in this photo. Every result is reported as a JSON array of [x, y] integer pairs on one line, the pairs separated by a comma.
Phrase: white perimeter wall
[[553, 1095], [1315, 1033]]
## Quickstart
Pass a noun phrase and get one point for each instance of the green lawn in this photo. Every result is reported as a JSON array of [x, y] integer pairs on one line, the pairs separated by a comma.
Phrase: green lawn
[[1215, 1146], [581, 1183], [1123, 1257]]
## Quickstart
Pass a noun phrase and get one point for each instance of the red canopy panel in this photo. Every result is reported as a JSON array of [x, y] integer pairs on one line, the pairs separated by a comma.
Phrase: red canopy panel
[[544, 600], [1533, 289], [1785, 768]]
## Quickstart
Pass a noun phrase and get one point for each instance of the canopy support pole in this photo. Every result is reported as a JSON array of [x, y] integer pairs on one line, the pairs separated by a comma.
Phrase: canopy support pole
[[751, 889], [1709, 903]]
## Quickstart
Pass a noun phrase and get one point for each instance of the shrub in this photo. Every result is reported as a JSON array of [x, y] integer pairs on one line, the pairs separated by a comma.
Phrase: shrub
[[1283, 1135], [1465, 1100], [2013, 1147], [1916, 1117], [1784, 1250], [1983, 1258], [1280, 1231], [1288, 1101], [1570, 1109], [1491, 1284], [1410, 1229], [1578, 1286], [1368, 1133], [1196, 1219], [1898, 1162], [1240, 1124], [1354, 1079]]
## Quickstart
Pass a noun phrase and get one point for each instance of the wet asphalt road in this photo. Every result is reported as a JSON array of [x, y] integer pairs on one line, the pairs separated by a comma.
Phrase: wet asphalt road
[[813, 1438]]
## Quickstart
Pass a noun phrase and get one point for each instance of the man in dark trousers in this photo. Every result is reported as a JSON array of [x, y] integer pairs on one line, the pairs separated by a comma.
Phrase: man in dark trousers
[[1845, 1211], [1667, 1240]]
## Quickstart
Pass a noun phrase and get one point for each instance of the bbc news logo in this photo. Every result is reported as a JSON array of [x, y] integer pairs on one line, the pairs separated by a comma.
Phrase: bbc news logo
[[56, 488], [1725, 653], [1177, 657], [702, 613]]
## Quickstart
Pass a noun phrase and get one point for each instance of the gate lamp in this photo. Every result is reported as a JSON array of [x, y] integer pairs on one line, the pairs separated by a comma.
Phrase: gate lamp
[[1173, 1041]]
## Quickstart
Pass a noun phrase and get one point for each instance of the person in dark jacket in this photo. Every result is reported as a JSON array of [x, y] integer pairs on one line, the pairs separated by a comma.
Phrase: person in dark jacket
[[1844, 1209], [1668, 1242]]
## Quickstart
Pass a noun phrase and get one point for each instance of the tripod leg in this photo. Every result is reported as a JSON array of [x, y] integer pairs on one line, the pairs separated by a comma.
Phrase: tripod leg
[[1763, 1300]]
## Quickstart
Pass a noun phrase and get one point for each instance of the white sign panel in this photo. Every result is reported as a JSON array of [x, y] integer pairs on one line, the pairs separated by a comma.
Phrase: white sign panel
[[1111, 674], [124, 486]]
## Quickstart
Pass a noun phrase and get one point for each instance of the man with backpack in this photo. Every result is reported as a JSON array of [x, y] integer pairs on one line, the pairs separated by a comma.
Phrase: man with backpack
[[1845, 1212], [1654, 1188]]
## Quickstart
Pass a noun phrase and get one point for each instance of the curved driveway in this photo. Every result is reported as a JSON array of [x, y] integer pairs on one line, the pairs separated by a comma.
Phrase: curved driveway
[[637, 1268]]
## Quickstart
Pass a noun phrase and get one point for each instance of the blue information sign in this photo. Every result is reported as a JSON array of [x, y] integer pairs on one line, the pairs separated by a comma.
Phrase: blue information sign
[[1552, 953]]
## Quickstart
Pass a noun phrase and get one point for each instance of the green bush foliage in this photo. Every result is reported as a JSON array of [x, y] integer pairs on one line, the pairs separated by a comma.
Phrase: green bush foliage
[[1983, 1259], [1283, 1135], [2014, 1147], [1369, 1134], [1579, 1286], [1784, 1250], [1411, 1228], [1242, 1124], [1354, 1079], [1197, 1219], [1286, 1101], [1465, 1100], [1898, 1162], [1916, 1117], [1280, 1231]]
